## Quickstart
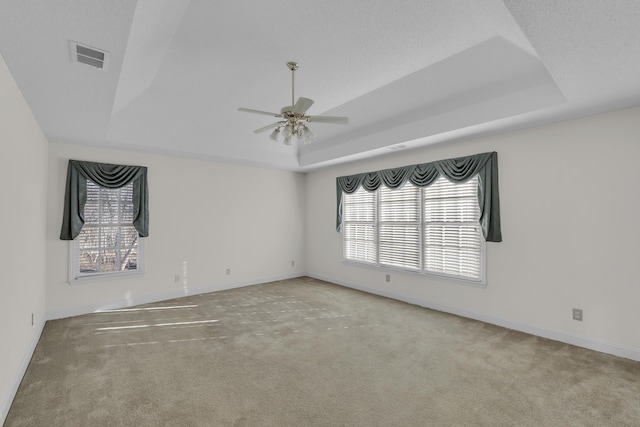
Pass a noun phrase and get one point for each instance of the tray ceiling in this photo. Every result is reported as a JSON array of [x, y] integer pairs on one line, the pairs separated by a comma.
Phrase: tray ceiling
[[408, 73]]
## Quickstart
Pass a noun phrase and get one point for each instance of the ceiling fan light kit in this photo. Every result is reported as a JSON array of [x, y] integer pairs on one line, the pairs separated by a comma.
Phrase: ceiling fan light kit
[[295, 118]]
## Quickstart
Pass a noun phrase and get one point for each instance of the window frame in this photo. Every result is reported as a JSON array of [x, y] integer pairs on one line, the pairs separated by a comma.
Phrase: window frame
[[421, 272], [75, 276]]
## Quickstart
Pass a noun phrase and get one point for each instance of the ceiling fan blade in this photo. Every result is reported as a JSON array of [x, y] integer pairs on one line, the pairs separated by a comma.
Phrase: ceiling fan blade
[[329, 119], [266, 128], [302, 105], [266, 113]]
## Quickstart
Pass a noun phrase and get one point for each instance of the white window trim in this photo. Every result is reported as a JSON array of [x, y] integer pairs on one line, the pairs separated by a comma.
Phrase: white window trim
[[482, 283], [75, 276], [99, 277], [423, 273]]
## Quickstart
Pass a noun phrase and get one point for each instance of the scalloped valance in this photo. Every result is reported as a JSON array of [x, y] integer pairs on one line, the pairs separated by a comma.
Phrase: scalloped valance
[[108, 176], [460, 169]]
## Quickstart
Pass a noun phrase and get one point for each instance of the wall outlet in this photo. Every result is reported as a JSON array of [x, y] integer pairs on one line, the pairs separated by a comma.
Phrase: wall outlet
[[293, 263], [577, 314], [388, 278], [31, 319], [228, 272], [177, 278]]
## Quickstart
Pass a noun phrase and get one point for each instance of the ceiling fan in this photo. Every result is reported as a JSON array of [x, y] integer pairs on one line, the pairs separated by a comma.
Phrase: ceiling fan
[[294, 117]]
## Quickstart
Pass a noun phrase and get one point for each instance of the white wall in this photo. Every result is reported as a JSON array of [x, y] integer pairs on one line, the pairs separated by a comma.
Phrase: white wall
[[570, 210], [23, 166], [203, 215]]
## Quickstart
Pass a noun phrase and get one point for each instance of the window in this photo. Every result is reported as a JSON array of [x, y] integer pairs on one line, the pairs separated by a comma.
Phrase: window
[[360, 221], [108, 242], [429, 230]]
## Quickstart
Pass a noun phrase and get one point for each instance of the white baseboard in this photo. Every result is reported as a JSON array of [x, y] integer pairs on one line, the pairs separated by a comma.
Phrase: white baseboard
[[580, 341], [146, 299], [6, 405]]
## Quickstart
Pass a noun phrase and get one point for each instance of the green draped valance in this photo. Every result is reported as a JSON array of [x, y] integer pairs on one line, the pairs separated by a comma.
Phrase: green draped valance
[[108, 176], [485, 165]]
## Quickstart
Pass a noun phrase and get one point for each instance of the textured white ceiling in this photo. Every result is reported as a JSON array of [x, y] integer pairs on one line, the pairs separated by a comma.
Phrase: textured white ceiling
[[407, 72]]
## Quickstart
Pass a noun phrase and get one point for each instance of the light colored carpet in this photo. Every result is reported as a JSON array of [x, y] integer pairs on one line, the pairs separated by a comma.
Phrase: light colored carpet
[[303, 352]]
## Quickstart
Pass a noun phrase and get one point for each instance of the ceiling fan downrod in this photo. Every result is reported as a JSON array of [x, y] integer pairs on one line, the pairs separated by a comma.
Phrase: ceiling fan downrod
[[293, 66]]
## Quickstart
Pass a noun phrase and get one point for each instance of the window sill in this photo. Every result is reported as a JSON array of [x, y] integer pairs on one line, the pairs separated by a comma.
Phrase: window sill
[[94, 278], [417, 274]]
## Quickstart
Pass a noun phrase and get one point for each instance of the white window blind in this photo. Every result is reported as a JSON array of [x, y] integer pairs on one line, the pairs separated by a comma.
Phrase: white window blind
[[360, 226], [452, 236], [399, 237], [433, 230], [108, 242]]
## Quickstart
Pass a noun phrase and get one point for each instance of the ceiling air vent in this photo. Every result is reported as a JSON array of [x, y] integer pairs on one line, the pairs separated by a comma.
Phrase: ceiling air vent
[[89, 55]]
